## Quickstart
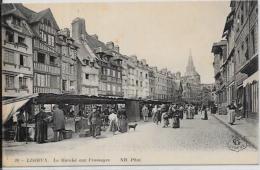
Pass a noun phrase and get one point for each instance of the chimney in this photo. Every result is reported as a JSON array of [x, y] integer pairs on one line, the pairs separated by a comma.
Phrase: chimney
[[95, 36], [110, 45], [78, 28], [65, 31], [143, 61], [116, 48]]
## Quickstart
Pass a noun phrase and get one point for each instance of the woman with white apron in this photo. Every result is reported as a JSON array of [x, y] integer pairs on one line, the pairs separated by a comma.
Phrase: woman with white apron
[[231, 109]]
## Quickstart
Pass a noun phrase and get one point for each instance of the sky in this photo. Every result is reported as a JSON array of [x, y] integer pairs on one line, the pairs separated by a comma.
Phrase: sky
[[160, 32]]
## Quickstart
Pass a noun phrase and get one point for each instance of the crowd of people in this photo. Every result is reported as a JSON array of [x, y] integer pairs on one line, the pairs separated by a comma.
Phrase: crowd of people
[[163, 113], [110, 118], [116, 120]]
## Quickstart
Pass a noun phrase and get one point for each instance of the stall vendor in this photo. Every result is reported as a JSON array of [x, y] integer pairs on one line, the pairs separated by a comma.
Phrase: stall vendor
[[41, 126]]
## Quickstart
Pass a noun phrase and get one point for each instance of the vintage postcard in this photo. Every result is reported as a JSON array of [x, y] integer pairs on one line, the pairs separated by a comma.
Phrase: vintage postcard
[[130, 83]]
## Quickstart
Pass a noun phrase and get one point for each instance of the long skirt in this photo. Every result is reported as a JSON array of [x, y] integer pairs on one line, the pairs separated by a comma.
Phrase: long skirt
[[181, 114], [175, 122], [158, 118], [165, 122], [204, 115], [41, 132], [189, 114], [231, 116], [123, 125]]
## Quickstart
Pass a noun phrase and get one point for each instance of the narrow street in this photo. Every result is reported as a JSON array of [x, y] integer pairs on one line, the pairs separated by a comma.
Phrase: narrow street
[[194, 137]]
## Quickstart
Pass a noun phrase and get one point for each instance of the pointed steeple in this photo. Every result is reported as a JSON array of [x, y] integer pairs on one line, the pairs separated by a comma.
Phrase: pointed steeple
[[191, 74], [190, 69]]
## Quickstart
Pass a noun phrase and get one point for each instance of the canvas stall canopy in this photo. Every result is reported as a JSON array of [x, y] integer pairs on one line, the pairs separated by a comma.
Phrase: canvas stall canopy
[[11, 106]]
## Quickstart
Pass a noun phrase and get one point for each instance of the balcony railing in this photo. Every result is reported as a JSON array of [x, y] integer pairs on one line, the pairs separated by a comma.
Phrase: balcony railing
[[45, 90], [46, 68]]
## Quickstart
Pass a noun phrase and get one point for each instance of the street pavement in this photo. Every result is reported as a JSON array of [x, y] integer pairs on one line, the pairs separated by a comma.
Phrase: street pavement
[[196, 141]]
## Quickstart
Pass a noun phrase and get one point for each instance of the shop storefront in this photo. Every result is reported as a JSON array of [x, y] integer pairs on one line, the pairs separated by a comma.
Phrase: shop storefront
[[251, 94]]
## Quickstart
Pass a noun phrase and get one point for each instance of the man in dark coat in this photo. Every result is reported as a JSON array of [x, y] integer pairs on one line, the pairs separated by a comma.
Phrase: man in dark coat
[[94, 121], [41, 126], [58, 123]]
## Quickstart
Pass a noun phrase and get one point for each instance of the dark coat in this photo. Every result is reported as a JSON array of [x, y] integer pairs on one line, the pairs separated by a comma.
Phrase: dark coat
[[41, 127], [58, 119], [94, 117]]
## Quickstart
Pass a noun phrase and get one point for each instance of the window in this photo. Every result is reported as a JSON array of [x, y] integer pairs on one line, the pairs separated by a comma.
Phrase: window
[[238, 56], [119, 75], [253, 41], [64, 85], [9, 36], [16, 21], [141, 84], [146, 76], [21, 40], [242, 19], [86, 76], [41, 58], [9, 57], [50, 40], [52, 60], [22, 82], [113, 73], [103, 70], [136, 82], [71, 69], [22, 58], [108, 87], [44, 37], [113, 89], [9, 80], [41, 80], [108, 71], [54, 81], [71, 83], [86, 62], [246, 53]]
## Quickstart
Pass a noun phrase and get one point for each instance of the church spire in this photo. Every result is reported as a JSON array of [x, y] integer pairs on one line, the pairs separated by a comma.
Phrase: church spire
[[191, 73], [190, 66]]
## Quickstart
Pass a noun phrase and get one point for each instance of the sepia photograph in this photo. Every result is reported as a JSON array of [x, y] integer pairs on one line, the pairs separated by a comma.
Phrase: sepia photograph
[[129, 83]]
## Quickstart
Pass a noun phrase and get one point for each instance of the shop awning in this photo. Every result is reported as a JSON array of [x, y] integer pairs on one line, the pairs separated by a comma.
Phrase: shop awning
[[11, 106], [251, 79]]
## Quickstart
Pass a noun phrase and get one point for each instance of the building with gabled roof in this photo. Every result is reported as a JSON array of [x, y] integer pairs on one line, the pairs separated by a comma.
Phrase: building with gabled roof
[[46, 50], [106, 56], [17, 53]]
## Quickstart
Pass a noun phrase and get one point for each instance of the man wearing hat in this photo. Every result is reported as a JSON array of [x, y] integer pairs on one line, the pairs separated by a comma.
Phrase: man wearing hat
[[41, 127], [94, 121], [58, 123]]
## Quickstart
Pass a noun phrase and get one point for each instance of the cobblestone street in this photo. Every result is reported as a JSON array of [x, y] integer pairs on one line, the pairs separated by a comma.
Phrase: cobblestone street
[[194, 136]]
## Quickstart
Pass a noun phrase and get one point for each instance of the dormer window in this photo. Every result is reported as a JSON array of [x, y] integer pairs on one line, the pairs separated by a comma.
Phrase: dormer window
[[9, 36], [16, 21], [86, 61], [21, 40], [49, 23]]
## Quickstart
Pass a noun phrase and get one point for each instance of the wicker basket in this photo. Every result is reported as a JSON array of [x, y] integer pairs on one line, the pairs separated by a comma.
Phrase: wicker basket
[[67, 134]]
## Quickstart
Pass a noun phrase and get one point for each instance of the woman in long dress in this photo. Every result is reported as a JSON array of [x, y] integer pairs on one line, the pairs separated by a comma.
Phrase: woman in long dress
[[123, 123], [204, 113], [176, 117], [231, 109]]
